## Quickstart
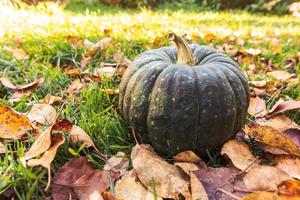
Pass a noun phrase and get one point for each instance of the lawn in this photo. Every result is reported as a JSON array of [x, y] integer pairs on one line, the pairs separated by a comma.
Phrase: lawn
[[44, 32]]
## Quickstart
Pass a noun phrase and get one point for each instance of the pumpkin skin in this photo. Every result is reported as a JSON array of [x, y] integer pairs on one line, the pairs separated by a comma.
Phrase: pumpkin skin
[[177, 107]]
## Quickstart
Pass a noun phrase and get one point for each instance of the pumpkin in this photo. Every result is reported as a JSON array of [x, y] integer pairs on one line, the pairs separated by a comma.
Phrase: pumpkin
[[184, 97]]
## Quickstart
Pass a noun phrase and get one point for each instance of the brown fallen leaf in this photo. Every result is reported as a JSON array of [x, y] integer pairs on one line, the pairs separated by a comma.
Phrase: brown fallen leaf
[[130, 188], [108, 196], [121, 59], [46, 159], [73, 72], [271, 137], [288, 164], [268, 196], [50, 99], [279, 122], [293, 134], [117, 163], [40, 145], [251, 52], [283, 106], [79, 135], [75, 87], [281, 75], [187, 167], [216, 180], [257, 107], [239, 154], [18, 53], [90, 185], [264, 178], [187, 156], [62, 125], [6, 82], [42, 113], [258, 84], [151, 169], [12, 124], [289, 188], [105, 71], [67, 175], [197, 189], [75, 41]]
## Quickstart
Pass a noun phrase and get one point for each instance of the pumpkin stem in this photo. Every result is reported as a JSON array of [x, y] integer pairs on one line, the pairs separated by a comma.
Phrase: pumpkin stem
[[185, 55]]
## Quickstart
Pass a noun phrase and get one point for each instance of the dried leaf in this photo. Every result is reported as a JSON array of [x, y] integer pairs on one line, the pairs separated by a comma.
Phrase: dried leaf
[[117, 163], [41, 144], [75, 87], [108, 196], [75, 41], [79, 135], [257, 107], [90, 186], [105, 71], [216, 179], [12, 124], [239, 154], [251, 52], [50, 99], [110, 91], [130, 188], [62, 125], [197, 189], [6, 82], [187, 167], [259, 84], [18, 53], [281, 75], [270, 136], [17, 95], [293, 134], [31, 86], [288, 164], [151, 169], [121, 59], [2, 148], [289, 188], [104, 43], [283, 106], [187, 156], [46, 159], [279, 122], [42, 113], [268, 196], [264, 178], [73, 72], [67, 175]]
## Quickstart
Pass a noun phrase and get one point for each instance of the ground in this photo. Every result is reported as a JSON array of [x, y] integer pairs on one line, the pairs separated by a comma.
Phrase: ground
[[43, 31]]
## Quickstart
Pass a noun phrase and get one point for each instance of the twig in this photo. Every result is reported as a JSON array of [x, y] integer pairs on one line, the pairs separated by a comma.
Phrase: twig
[[134, 136], [229, 194]]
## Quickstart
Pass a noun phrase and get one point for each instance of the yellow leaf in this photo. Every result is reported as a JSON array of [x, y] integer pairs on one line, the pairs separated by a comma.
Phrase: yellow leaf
[[271, 137], [12, 124], [49, 155]]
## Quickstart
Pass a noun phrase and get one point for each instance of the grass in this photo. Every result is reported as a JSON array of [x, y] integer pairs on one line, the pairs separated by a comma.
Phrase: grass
[[43, 32]]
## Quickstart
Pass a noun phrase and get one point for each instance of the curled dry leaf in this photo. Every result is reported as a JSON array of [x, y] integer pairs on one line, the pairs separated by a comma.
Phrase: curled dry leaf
[[283, 106], [187, 167], [12, 124], [50, 99], [105, 71], [67, 175], [239, 154], [288, 164], [6, 82], [279, 122], [42, 113], [197, 189], [117, 163], [216, 179], [187, 156], [257, 107], [271, 137], [264, 178], [151, 169], [46, 159], [41, 144], [62, 125], [289, 188], [281, 75], [75, 87], [79, 135], [130, 188]]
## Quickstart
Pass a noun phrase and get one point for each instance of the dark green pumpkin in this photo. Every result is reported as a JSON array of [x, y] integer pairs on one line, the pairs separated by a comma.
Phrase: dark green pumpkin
[[177, 107]]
